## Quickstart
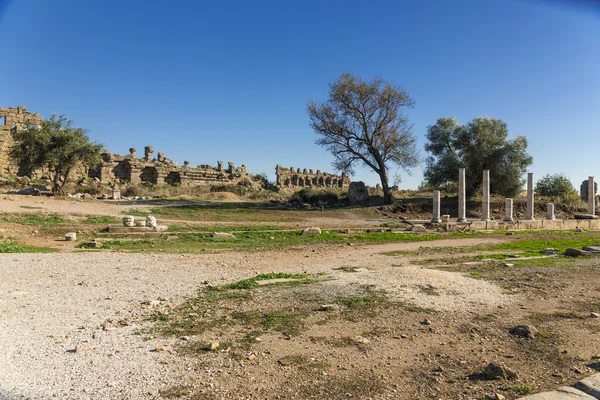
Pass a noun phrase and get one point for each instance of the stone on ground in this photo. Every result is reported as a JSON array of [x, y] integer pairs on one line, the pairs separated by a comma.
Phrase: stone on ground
[[497, 371], [314, 231], [590, 385], [223, 235], [419, 228], [592, 249], [524, 331], [562, 393], [575, 252]]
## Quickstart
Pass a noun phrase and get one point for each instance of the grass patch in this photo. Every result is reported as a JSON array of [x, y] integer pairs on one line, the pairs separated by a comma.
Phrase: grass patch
[[102, 219], [520, 388], [9, 247], [35, 220], [371, 299], [253, 282], [261, 240]]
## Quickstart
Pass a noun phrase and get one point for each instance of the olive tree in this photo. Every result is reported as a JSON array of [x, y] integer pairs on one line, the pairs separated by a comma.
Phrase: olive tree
[[56, 146], [478, 145], [362, 123]]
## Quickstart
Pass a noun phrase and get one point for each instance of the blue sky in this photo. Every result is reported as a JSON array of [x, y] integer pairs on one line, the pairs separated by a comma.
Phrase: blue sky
[[229, 80]]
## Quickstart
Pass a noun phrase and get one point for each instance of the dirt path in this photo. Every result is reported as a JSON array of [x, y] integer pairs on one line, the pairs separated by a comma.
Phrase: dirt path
[[52, 303]]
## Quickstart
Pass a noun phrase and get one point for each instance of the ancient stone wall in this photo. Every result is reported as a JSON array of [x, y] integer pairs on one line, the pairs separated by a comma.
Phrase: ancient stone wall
[[163, 171], [294, 178], [12, 118]]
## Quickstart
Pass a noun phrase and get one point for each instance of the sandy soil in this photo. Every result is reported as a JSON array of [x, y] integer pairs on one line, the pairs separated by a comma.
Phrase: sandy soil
[[51, 303]]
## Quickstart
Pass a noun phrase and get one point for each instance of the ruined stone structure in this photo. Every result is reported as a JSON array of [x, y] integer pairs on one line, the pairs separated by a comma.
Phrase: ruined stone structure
[[294, 178], [163, 171], [12, 118]]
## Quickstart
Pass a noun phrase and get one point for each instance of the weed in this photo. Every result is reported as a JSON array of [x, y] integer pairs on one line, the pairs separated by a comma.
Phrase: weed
[[35, 220], [520, 388], [9, 247], [101, 220]]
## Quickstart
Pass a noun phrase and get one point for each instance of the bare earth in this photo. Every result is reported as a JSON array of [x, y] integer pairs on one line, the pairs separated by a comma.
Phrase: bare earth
[[74, 325]]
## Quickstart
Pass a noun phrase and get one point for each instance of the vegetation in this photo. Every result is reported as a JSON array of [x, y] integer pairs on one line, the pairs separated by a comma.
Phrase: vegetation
[[556, 185], [55, 146], [41, 220], [362, 122], [260, 240], [9, 247], [479, 145]]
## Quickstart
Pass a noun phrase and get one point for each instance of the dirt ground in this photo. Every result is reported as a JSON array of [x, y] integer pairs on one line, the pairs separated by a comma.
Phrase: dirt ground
[[415, 324]]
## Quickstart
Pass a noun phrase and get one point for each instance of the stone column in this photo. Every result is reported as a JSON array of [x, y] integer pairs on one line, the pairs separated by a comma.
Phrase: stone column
[[530, 200], [591, 196], [550, 208], [436, 207], [485, 206], [462, 201], [508, 206]]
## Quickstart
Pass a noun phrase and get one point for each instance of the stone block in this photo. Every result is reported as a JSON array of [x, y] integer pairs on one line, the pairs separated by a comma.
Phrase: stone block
[[478, 226], [223, 235], [418, 228], [151, 221], [590, 385], [314, 231], [552, 224], [136, 229], [530, 224], [128, 221], [592, 249], [562, 393], [494, 225], [71, 236]]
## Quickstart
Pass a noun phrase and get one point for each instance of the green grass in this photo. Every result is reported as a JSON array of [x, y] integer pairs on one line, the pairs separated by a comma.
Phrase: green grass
[[520, 388], [368, 300], [555, 239], [252, 282], [260, 240], [35, 220], [101, 220], [9, 247]]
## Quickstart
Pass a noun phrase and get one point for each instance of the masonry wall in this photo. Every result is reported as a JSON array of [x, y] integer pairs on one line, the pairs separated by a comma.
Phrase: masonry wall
[[296, 178], [12, 118]]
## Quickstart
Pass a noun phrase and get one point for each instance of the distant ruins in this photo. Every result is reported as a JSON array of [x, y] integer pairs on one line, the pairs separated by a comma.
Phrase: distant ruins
[[12, 118], [163, 171], [291, 178]]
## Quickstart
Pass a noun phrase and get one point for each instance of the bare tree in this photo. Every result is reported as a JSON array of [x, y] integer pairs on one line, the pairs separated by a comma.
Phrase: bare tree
[[362, 122]]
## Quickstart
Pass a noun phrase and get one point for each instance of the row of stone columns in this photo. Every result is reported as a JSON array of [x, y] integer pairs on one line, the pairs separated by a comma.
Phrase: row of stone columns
[[485, 213]]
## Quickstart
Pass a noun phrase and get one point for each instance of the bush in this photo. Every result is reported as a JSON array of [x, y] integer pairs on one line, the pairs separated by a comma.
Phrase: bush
[[556, 185], [317, 197]]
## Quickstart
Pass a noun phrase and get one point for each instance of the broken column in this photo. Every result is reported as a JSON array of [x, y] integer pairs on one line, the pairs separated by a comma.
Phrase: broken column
[[550, 208], [591, 196], [485, 206], [508, 206], [530, 203], [462, 201], [436, 207]]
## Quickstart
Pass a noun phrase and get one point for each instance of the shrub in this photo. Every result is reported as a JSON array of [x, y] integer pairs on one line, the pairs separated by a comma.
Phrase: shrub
[[556, 185], [317, 197]]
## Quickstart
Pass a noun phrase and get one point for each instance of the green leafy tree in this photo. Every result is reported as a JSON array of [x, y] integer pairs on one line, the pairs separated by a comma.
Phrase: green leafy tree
[[556, 185], [479, 145], [362, 123], [56, 146]]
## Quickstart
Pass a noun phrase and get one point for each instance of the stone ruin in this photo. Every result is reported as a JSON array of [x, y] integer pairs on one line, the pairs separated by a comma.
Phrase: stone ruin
[[163, 171], [13, 118], [294, 178]]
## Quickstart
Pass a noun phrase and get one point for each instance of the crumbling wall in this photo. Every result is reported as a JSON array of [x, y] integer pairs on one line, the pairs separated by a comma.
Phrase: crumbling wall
[[12, 118], [295, 178], [163, 171]]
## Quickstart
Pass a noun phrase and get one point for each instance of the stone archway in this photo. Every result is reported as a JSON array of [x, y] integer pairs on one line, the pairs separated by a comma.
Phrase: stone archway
[[150, 175]]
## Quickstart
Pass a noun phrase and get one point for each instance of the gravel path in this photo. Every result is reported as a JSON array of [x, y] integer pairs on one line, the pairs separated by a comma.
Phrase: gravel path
[[53, 304]]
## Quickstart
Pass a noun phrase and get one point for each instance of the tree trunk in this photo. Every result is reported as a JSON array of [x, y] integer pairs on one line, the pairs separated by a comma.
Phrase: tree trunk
[[387, 192]]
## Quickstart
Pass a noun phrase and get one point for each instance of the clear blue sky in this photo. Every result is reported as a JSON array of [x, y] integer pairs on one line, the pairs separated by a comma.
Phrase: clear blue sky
[[229, 80]]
